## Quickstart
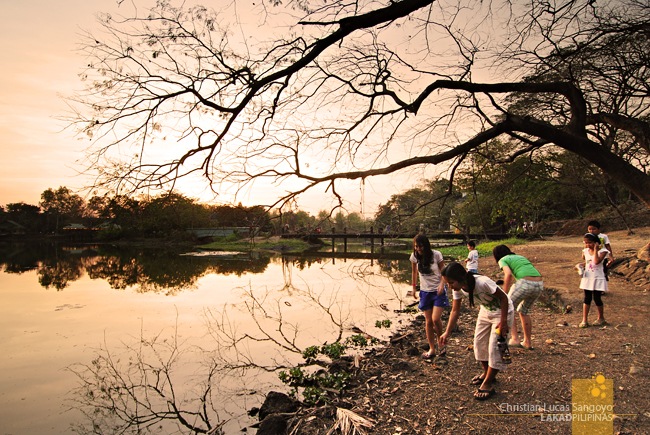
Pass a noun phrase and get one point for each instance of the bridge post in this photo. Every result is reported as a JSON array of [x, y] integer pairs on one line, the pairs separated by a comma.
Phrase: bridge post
[[372, 240], [333, 241], [345, 239]]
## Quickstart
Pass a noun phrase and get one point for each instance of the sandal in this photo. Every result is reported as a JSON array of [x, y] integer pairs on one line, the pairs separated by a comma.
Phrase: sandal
[[428, 355], [484, 394], [442, 351], [478, 380], [600, 322], [583, 325]]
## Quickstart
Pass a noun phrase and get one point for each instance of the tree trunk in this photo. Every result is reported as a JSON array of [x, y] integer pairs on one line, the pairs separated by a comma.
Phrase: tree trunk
[[613, 165]]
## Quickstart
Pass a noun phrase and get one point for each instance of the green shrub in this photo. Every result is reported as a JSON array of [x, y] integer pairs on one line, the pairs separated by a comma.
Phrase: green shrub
[[334, 350], [383, 323]]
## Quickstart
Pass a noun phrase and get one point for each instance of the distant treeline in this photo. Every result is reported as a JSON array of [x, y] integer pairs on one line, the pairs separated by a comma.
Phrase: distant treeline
[[481, 199]]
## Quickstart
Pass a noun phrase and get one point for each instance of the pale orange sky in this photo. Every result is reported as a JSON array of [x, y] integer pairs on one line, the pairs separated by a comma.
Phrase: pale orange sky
[[38, 41], [39, 65]]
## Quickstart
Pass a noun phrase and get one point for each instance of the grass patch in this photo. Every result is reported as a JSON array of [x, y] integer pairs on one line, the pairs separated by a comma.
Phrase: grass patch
[[459, 252], [244, 245]]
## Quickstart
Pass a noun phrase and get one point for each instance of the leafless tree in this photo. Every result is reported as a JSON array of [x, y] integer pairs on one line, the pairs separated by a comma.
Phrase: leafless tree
[[350, 90]]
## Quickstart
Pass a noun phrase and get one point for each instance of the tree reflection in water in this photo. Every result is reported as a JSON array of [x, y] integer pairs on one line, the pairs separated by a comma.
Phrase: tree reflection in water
[[144, 386], [200, 385], [146, 270], [141, 388]]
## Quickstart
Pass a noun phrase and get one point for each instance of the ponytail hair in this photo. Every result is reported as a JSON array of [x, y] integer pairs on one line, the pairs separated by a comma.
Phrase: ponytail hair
[[457, 272]]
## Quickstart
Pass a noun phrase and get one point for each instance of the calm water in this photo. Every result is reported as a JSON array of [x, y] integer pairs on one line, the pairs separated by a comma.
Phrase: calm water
[[79, 322]]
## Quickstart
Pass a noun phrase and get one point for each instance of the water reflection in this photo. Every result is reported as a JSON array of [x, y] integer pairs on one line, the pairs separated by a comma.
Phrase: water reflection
[[198, 369], [148, 270], [166, 270]]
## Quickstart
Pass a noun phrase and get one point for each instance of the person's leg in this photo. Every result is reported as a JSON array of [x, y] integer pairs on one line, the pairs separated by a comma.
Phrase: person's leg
[[480, 378], [429, 330], [494, 363], [482, 333], [530, 291], [585, 308], [600, 307], [514, 335], [486, 389], [516, 295], [436, 318], [527, 327]]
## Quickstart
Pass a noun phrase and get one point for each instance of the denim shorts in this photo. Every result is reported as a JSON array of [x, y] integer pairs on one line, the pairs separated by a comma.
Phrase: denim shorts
[[428, 300]]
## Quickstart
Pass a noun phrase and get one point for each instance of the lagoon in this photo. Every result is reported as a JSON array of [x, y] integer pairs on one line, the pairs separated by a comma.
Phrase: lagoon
[[72, 314]]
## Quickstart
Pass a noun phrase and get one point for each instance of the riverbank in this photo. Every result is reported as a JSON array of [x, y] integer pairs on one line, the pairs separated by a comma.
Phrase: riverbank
[[397, 393]]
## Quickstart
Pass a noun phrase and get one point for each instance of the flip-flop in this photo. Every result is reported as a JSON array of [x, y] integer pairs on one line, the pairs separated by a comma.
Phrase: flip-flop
[[516, 346], [484, 394], [427, 356], [442, 351], [477, 380], [528, 348]]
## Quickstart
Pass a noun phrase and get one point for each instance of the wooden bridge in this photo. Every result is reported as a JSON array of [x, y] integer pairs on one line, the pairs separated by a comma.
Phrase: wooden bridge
[[381, 238]]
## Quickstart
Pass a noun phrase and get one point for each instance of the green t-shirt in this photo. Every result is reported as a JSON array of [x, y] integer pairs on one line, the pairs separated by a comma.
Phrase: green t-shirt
[[519, 265]]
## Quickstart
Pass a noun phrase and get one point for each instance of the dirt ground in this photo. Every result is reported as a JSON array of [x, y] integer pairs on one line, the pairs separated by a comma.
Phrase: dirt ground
[[402, 394]]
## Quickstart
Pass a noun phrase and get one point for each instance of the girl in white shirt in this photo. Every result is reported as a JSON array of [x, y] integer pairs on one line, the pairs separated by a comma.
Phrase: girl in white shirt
[[594, 281], [496, 314], [427, 265]]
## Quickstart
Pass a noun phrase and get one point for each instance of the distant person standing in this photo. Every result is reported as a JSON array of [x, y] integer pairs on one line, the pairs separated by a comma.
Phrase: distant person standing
[[528, 286], [471, 262], [427, 265], [593, 281], [593, 227]]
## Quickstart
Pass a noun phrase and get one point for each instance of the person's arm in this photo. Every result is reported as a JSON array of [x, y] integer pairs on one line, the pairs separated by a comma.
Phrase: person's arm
[[414, 278], [451, 323], [611, 254], [599, 255], [508, 278], [504, 304], [441, 286]]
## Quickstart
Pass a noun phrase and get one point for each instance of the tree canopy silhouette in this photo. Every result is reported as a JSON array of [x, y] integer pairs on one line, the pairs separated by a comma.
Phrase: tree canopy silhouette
[[350, 90]]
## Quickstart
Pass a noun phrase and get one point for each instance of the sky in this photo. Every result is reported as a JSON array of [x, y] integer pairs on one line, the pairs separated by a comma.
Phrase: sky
[[38, 40], [40, 67]]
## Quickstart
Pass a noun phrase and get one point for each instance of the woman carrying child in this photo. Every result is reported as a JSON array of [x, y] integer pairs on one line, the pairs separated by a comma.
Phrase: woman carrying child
[[594, 281], [494, 319], [427, 265]]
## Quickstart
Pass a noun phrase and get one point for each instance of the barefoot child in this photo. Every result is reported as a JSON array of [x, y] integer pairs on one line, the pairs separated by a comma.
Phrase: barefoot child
[[496, 313], [427, 265], [593, 281]]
